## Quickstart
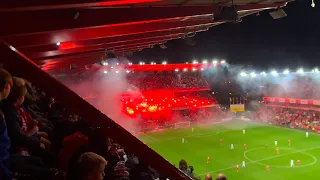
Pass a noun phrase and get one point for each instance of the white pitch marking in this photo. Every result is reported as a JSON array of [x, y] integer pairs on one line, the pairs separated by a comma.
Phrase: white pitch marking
[[273, 157]]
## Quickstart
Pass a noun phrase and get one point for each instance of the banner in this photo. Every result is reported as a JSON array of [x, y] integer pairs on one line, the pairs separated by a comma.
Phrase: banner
[[237, 107]]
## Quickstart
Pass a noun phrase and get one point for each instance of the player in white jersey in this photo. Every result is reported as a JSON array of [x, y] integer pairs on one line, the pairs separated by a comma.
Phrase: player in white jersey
[[291, 163], [232, 147], [276, 143], [244, 132], [182, 140], [243, 164], [307, 134]]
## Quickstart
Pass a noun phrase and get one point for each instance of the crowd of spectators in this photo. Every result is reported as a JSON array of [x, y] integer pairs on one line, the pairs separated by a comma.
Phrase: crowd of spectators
[[289, 116], [165, 80], [187, 116], [299, 87], [40, 139]]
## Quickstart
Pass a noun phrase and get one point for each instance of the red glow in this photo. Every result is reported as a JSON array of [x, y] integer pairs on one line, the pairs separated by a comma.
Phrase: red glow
[[158, 106], [124, 2]]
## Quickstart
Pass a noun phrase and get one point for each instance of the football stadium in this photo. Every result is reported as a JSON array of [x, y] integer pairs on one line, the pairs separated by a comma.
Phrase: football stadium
[[159, 90]]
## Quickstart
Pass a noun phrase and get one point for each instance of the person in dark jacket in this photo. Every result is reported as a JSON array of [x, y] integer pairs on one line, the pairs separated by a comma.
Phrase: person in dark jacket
[[19, 139], [5, 86], [20, 164]]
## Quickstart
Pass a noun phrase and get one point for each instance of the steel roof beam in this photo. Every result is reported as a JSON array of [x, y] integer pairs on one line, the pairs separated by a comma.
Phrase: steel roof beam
[[77, 48], [103, 32], [34, 5], [55, 20], [84, 50], [110, 40]]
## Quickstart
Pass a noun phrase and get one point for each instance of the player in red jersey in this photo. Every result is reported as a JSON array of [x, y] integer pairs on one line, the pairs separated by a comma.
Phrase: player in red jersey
[[298, 162], [245, 146], [267, 168], [277, 149], [237, 168], [289, 142], [208, 160], [220, 141]]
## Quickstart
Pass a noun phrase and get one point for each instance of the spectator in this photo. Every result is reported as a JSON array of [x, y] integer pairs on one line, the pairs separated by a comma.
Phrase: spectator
[[221, 177], [21, 138], [91, 166], [20, 164]]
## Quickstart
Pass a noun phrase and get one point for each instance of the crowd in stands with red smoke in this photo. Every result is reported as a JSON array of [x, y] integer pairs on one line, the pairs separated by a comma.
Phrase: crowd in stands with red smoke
[[40, 139], [307, 118], [150, 80]]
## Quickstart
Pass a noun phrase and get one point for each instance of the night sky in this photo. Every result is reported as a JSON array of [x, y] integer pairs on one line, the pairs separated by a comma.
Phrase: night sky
[[260, 41]]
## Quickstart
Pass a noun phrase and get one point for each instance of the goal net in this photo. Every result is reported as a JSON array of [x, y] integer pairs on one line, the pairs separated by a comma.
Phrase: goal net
[[182, 124]]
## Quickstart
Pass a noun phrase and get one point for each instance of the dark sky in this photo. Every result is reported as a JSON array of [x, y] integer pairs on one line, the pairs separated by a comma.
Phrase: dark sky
[[292, 41]]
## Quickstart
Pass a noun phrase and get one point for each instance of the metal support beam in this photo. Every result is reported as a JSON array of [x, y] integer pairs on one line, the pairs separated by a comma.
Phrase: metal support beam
[[49, 54], [110, 40], [30, 71], [96, 49], [102, 32], [55, 20], [35, 5]]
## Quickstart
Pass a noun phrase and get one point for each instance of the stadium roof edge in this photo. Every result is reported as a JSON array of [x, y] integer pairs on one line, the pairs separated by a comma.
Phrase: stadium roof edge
[[60, 33]]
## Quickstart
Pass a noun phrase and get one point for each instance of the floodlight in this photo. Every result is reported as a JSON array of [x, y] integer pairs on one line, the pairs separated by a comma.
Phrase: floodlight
[[274, 72], [286, 71]]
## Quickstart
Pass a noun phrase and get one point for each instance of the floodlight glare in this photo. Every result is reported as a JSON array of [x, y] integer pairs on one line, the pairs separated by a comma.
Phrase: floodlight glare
[[300, 71], [274, 72], [253, 74], [315, 70], [243, 74]]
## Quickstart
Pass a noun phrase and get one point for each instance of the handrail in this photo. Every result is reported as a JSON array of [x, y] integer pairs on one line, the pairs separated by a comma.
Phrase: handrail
[[19, 65]]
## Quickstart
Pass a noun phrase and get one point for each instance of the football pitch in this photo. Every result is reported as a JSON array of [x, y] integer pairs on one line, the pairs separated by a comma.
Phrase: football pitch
[[205, 141]]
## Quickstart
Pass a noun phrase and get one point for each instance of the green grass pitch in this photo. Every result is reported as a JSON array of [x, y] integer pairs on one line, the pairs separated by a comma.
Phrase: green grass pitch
[[205, 141]]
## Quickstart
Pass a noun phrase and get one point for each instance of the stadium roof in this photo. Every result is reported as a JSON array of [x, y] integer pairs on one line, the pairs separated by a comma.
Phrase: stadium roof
[[58, 33]]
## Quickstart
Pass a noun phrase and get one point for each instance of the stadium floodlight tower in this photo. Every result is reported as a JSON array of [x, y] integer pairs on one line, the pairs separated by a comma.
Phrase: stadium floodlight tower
[[286, 71], [263, 73]]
